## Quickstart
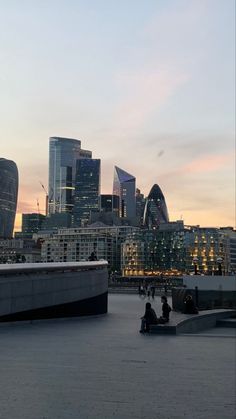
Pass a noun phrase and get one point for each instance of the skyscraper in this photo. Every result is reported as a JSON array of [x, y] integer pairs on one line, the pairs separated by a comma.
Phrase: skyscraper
[[63, 154], [155, 212], [109, 203], [87, 190], [124, 188], [140, 205], [8, 196]]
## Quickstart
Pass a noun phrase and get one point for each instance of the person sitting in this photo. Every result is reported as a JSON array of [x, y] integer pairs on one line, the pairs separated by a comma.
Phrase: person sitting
[[189, 306], [166, 309], [148, 318], [92, 257]]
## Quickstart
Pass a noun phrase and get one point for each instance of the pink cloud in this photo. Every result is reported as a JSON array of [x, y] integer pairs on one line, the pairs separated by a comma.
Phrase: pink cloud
[[208, 163], [144, 93]]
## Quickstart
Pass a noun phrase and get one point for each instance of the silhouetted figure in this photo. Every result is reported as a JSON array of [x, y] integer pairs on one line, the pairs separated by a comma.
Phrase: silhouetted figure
[[92, 257], [166, 309], [153, 290], [148, 318], [189, 306]]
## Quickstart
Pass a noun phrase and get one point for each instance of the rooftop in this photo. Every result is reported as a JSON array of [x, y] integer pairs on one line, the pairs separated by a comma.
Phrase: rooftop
[[102, 368]]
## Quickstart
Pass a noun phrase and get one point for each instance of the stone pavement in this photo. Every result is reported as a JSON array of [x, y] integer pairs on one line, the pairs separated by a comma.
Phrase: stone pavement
[[102, 368]]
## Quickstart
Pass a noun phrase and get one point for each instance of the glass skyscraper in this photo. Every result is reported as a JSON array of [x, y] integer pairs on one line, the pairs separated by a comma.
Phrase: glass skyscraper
[[63, 154], [155, 212], [87, 190], [109, 203], [8, 196], [124, 188]]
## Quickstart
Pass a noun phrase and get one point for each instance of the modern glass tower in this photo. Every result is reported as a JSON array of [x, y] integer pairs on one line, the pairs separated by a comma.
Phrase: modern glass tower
[[124, 188], [87, 190], [109, 203], [63, 154], [155, 212], [8, 197]]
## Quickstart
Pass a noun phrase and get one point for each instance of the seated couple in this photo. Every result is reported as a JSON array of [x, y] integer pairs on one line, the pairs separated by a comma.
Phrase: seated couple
[[150, 316]]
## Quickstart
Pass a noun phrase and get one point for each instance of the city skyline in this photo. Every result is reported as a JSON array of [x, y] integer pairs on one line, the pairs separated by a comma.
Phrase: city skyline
[[149, 88]]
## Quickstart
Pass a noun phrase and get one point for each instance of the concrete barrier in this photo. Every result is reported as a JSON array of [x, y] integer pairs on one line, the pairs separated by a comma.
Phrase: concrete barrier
[[192, 323], [48, 290]]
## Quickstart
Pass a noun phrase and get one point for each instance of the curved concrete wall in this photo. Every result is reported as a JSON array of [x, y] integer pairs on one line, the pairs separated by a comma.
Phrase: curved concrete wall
[[34, 291]]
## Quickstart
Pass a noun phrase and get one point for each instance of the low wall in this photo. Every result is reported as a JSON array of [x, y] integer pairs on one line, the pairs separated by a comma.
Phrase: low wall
[[39, 291], [189, 323], [210, 283], [203, 321], [204, 299]]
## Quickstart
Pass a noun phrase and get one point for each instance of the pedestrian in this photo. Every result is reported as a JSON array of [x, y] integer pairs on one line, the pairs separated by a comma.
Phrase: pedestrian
[[189, 306], [92, 257], [166, 309], [148, 318]]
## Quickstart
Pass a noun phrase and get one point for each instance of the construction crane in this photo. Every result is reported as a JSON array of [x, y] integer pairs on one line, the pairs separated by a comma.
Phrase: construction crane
[[43, 188], [38, 210], [46, 203]]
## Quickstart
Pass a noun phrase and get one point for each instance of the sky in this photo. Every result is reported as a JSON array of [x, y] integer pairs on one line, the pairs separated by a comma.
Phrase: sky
[[147, 86]]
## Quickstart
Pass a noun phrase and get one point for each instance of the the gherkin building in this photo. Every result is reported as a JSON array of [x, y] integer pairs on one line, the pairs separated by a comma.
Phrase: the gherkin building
[[155, 212], [8, 196]]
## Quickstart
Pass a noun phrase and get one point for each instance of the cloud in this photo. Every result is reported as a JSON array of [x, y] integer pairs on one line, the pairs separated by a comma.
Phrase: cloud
[[205, 164], [145, 93], [208, 163]]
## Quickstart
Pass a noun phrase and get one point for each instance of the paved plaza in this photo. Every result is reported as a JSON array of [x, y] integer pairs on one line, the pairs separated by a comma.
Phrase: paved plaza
[[103, 368]]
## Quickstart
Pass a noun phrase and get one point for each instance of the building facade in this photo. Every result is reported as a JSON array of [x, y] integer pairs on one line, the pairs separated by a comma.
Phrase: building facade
[[63, 154], [8, 196], [229, 244], [32, 223], [19, 251], [109, 203], [155, 212], [204, 246], [124, 188], [140, 206], [154, 252], [77, 244], [87, 190]]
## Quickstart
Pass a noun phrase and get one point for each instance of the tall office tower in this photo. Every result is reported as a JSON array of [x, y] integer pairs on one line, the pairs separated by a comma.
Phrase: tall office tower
[[87, 190], [124, 188], [63, 154], [8, 196], [140, 205], [109, 203], [155, 212]]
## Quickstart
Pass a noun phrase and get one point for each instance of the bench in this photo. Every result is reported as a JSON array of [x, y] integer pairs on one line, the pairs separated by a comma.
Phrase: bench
[[191, 323]]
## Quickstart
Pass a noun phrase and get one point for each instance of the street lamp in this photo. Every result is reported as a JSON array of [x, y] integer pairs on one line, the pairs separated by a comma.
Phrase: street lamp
[[219, 261], [195, 261]]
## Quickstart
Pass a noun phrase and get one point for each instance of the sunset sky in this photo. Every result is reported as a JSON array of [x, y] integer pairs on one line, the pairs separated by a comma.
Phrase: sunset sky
[[148, 86]]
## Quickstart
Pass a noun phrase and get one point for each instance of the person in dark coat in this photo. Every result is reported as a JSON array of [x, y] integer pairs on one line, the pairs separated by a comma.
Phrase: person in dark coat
[[189, 306], [166, 309], [92, 257], [148, 318]]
